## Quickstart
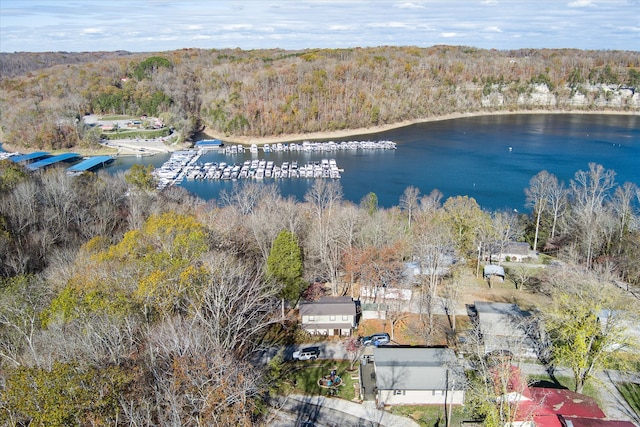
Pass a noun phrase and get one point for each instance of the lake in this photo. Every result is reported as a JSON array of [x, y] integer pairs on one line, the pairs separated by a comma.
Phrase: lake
[[490, 158]]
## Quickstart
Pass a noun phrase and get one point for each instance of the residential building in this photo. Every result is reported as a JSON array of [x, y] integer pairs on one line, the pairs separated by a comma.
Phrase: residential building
[[504, 326], [418, 376], [329, 316]]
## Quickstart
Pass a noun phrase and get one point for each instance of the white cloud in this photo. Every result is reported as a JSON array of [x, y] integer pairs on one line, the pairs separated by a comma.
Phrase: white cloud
[[502, 24], [237, 27], [340, 27], [581, 3], [389, 25], [409, 5], [91, 31]]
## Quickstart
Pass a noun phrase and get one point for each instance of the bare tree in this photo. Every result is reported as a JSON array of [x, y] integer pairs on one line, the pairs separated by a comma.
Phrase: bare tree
[[409, 202], [324, 198], [537, 198], [557, 199], [506, 228], [237, 305], [22, 300], [589, 191], [433, 248]]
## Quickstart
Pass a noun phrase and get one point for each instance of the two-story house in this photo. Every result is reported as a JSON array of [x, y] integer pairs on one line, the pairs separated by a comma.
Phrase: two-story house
[[329, 316]]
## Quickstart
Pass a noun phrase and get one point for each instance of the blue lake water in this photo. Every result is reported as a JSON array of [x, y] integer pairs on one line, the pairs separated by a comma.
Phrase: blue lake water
[[467, 156]]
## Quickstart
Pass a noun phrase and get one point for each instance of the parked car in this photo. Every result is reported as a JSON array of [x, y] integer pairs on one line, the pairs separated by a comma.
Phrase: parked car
[[308, 353], [376, 339]]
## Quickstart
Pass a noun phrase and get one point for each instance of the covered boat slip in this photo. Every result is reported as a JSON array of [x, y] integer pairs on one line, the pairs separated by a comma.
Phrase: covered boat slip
[[31, 157], [90, 164], [42, 159], [49, 161]]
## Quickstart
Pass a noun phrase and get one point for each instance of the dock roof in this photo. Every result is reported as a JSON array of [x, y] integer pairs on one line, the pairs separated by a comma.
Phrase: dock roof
[[90, 163], [38, 155], [53, 160], [209, 143]]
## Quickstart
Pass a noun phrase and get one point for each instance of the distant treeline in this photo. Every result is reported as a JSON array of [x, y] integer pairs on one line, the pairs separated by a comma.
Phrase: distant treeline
[[258, 93], [20, 63]]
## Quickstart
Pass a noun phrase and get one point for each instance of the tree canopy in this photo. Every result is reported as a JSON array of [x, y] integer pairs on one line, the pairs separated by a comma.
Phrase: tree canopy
[[285, 265]]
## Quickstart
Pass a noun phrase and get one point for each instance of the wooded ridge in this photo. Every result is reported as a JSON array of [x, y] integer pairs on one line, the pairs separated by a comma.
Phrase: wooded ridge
[[275, 92]]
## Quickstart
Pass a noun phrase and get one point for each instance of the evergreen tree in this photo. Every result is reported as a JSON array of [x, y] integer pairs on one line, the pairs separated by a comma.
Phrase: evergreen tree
[[284, 265]]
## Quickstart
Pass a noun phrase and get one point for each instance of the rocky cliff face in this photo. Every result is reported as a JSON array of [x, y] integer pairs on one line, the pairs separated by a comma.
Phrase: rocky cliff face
[[584, 97]]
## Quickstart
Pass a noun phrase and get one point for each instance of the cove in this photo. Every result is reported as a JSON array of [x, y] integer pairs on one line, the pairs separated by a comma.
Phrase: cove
[[490, 158]]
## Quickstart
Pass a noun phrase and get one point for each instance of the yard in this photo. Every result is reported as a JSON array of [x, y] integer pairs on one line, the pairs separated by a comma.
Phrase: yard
[[430, 415], [302, 378]]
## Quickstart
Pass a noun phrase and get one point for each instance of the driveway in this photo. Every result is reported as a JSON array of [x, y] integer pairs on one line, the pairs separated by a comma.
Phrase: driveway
[[322, 411]]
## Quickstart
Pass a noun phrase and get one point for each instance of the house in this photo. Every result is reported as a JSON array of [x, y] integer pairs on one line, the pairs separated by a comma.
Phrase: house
[[516, 251], [511, 252], [493, 272], [418, 376], [329, 316], [504, 326], [428, 266], [549, 407]]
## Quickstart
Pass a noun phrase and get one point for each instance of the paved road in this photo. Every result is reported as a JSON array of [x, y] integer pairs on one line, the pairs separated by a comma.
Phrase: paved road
[[322, 411]]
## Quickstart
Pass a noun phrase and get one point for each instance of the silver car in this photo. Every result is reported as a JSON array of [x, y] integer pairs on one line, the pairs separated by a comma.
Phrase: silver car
[[308, 353], [376, 339]]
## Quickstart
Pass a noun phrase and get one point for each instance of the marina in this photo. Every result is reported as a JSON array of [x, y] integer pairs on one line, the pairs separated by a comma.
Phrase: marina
[[186, 165]]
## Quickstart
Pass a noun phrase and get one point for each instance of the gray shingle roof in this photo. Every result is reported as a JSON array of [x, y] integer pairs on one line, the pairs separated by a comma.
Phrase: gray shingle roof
[[338, 306], [416, 368]]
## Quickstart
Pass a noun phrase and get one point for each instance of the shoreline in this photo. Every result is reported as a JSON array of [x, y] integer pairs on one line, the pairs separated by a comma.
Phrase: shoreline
[[146, 148], [248, 140]]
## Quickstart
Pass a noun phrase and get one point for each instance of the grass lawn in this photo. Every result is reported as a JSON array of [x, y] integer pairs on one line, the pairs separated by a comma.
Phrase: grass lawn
[[427, 415], [631, 393], [303, 376]]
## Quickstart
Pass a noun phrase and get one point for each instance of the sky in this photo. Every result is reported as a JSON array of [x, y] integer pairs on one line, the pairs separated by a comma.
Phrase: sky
[[163, 25]]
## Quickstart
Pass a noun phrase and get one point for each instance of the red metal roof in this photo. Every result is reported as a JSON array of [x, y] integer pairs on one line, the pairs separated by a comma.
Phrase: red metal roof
[[567, 403], [591, 422]]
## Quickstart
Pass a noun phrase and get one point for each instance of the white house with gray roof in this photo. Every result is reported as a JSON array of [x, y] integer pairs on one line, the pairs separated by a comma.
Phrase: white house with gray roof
[[418, 376], [329, 316]]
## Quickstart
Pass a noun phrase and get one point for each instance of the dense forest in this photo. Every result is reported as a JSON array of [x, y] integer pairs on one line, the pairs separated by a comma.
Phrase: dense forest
[[275, 92], [120, 305]]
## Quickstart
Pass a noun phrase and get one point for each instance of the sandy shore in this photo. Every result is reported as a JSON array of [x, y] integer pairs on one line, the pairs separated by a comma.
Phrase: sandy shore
[[247, 140]]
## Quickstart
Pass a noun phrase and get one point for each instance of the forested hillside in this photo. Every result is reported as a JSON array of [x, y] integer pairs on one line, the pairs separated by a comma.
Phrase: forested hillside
[[16, 64], [275, 92]]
